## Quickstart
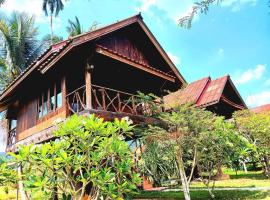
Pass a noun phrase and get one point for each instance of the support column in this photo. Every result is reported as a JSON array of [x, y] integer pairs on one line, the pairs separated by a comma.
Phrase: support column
[[88, 86]]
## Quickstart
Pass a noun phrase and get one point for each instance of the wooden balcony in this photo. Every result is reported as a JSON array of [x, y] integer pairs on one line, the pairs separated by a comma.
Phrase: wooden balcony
[[11, 139], [108, 103]]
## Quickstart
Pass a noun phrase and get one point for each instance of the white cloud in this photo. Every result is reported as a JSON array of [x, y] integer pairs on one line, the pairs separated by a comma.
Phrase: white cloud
[[176, 60], [220, 51], [251, 74], [236, 5], [258, 99], [174, 9], [31, 7]]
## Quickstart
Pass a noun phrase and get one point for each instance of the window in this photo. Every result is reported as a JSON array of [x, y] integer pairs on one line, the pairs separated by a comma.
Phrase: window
[[12, 124], [50, 100]]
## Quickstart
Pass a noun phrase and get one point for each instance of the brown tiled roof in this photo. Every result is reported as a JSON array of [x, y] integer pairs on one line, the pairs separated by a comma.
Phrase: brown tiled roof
[[261, 109], [212, 92], [202, 93]]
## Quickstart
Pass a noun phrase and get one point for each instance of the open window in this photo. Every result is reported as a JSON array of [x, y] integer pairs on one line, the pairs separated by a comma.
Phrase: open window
[[50, 100]]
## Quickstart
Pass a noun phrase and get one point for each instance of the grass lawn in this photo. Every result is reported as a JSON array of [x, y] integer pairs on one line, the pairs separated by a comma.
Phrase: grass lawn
[[203, 195], [251, 179]]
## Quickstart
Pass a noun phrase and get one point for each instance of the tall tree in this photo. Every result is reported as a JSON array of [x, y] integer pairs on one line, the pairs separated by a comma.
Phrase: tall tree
[[54, 7], [19, 45], [1, 2], [74, 27]]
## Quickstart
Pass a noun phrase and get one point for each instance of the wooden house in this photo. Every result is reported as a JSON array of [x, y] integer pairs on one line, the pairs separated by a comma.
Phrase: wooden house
[[219, 96], [96, 72]]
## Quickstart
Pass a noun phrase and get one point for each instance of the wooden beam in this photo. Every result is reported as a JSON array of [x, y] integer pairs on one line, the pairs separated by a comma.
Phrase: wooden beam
[[134, 64], [64, 93], [88, 86]]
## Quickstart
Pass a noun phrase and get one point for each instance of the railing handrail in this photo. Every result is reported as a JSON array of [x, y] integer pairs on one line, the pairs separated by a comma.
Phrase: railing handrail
[[101, 87], [74, 91], [12, 129]]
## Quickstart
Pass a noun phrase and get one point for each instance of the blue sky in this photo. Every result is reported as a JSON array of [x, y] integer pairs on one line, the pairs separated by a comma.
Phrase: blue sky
[[233, 38]]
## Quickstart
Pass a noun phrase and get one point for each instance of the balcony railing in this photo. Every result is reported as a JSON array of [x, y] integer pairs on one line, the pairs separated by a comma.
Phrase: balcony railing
[[107, 99], [11, 139]]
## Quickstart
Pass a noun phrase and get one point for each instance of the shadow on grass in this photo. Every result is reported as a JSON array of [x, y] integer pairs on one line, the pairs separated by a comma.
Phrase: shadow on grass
[[203, 195], [249, 176]]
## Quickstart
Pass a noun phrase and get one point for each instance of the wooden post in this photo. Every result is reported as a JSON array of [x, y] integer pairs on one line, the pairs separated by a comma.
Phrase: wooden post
[[64, 94], [88, 86]]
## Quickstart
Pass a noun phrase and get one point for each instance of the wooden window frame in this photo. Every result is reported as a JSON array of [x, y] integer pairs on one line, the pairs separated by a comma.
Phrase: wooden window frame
[[49, 106]]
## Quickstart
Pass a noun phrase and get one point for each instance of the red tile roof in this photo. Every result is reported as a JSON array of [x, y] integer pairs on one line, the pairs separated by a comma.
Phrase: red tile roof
[[212, 92], [202, 93], [260, 109]]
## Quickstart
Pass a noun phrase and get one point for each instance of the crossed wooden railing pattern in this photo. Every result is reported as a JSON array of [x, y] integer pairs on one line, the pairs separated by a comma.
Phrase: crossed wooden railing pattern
[[11, 139], [107, 99]]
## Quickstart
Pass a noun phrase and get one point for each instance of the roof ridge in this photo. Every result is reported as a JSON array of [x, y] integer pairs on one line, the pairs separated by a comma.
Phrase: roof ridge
[[204, 89]]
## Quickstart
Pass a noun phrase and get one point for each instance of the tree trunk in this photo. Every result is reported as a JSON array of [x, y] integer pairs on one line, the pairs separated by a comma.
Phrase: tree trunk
[[245, 167], [183, 176], [219, 174], [266, 166], [51, 21], [55, 189], [20, 185]]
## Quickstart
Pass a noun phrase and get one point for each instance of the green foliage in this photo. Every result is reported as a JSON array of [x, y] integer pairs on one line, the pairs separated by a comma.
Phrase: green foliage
[[256, 128], [192, 137], [54, 6], [8, 174], [47, 40], [19, 46], [90, 156], [158, 162], [74, 27]]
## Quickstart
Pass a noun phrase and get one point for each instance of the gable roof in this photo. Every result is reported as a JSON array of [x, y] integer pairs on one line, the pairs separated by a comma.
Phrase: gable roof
[[261, 109], [57, 51], [203, 93]]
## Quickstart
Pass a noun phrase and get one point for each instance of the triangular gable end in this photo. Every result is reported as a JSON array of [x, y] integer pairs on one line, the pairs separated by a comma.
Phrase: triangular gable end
[[231, 95], [55, 54]]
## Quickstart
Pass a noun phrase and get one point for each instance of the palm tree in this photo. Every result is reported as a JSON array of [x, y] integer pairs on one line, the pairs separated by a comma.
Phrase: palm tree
[[74, 28], [54, 6], [1, 2], [47, 42], [19, 46]]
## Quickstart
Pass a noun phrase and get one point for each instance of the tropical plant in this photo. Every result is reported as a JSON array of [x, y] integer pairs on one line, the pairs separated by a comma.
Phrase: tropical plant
[[256, 128], [47, 42], [90, 157], [8, 175], [74, 27], [54, 7], [19, 45], [188, 138], [158, 162]]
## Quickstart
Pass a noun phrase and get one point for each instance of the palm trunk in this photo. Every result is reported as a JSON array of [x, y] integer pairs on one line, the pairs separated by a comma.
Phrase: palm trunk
[[51, 21]]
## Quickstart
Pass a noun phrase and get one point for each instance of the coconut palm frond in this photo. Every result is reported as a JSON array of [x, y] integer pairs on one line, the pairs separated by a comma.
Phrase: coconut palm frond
[[2, 2], [54, 6], [19, 44], [74, 28]]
